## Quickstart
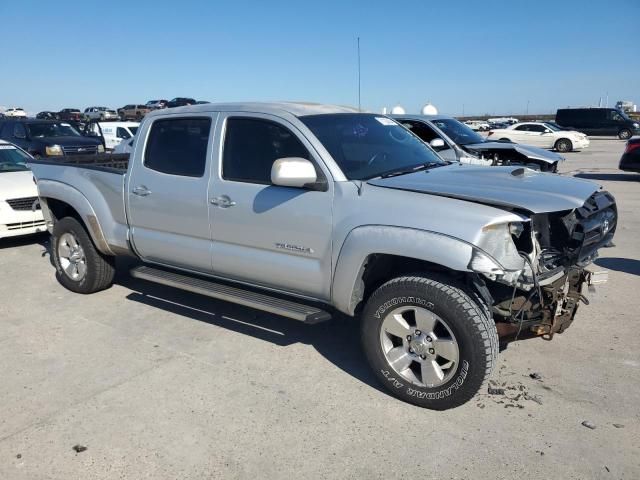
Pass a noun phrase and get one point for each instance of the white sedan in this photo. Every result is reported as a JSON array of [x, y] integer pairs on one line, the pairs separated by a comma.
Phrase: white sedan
[[15, 112], [543, 135], [20, 212]]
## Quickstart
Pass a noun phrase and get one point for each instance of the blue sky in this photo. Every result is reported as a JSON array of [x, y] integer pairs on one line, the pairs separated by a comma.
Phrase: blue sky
[[490, 56]]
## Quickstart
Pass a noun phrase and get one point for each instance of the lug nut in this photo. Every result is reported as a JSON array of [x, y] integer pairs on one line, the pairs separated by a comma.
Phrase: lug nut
[[411, 350], [428, 339], [432, 351], [418, 332], [424, 357], [409, 337]]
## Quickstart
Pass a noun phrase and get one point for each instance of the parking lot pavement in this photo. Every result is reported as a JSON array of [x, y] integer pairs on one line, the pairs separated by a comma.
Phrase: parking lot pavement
[[158, 383]]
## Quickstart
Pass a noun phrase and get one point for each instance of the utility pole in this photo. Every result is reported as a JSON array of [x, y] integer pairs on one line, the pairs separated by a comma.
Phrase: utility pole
[[527, 107], [463, 109], [359, 103]]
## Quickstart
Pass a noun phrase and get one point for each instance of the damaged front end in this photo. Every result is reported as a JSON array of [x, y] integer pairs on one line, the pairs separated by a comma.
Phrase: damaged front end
[[541, 298]]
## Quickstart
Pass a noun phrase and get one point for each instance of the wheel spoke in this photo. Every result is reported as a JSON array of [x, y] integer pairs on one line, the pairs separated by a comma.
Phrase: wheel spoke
[[64, 250], [399, 359], [396, 325], [446, 348], [70, 269], [425, 320], [432, 374], [81, 267]]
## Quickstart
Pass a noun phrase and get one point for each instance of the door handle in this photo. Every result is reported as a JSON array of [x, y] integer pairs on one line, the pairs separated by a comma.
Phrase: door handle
[[141, 191], [223, 201]]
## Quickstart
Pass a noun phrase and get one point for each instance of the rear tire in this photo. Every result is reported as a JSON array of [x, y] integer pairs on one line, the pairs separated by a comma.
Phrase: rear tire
[[428, 341], [564, 145], [80, 267], [504, 140], [624, 134]]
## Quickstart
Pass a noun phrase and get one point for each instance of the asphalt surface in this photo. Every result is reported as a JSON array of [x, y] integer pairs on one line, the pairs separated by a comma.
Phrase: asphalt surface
[[161, 384]]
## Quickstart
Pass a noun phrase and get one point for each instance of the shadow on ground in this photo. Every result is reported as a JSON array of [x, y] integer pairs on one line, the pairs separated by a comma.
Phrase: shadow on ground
[[626, 265], [14, 242], [337, 339], [614, 177]]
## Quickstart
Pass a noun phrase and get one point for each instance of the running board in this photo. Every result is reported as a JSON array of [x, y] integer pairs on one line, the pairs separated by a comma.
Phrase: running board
[[259, 301]]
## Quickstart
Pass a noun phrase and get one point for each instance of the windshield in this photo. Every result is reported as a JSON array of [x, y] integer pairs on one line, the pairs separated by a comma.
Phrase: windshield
[[552, 126], [457, 131], [12, 159], [53, 129], [366, 146]]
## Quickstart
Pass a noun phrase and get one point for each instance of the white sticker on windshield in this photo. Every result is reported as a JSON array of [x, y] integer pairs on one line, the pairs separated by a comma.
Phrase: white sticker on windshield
[[65, 124], [7, 147], [386, 121]]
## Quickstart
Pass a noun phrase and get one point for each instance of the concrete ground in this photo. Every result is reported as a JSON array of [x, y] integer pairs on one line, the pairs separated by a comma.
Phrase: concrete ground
[[162, 384]]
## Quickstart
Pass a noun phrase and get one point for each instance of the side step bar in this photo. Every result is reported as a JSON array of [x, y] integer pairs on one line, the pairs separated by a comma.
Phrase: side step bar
[[259, 301]]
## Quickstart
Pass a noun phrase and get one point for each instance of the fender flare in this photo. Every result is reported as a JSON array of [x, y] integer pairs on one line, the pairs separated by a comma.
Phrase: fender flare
[[76, 200], [362, 242]]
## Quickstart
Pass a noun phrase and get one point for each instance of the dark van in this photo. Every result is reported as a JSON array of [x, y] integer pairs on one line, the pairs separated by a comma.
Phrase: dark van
[[598, 121]]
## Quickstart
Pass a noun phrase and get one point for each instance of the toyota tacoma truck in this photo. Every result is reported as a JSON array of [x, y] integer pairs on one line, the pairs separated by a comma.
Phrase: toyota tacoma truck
[[307, 211]]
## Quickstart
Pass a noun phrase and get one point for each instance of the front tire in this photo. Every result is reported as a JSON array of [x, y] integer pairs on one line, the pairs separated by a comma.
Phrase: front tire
[[428, 341], [80, 267], [564, 145], [624, 134]]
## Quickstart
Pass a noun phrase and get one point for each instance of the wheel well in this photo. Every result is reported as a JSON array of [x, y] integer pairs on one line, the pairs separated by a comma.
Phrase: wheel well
[[380, 268], [60, 209]]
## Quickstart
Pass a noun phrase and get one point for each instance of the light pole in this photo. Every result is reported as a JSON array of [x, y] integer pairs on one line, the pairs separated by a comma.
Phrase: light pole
[[527, 107]]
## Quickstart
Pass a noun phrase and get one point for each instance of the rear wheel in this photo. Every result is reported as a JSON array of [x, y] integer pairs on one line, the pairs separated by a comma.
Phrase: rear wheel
[[624, 134], [428, 341], [564, 145], [80, 267], [504, 140]]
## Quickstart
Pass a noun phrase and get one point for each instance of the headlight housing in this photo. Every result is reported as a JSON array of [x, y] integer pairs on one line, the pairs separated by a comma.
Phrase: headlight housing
[[636, 125], [100, 148], [54, 150]]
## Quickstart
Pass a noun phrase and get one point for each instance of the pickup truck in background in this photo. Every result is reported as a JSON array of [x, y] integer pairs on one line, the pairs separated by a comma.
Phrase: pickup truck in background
[[305, 210]]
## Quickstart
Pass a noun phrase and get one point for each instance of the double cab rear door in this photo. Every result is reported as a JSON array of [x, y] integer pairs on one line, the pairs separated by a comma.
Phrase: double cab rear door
[[200, 198]]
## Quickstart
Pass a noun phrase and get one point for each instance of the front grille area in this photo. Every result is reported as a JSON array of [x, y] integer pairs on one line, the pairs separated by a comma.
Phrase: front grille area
[[596, 223], [23, 204], [80, 150], [23, 225]]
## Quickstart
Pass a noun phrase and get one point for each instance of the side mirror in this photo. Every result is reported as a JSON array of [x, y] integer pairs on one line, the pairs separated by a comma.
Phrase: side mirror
[[293, 172], [436, 143], [547, 130]]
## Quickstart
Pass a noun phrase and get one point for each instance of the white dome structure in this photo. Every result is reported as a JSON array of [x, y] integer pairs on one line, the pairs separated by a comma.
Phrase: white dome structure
[[398, 110], [429, 109]]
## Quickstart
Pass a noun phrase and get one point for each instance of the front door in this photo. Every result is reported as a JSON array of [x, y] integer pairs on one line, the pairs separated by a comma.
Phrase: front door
[[265, 234], [168, 206]]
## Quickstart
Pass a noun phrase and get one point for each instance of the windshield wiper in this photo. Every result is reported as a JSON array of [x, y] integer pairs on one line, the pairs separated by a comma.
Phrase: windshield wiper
[[404, 171]]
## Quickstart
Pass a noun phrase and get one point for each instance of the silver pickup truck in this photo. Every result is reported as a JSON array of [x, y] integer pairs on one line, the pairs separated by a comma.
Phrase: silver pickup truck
[[310, 210]]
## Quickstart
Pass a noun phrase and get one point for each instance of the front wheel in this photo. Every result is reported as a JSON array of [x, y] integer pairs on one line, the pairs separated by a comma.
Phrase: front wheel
[[624, 134], [564, 145], [80, 267], [428, 341]]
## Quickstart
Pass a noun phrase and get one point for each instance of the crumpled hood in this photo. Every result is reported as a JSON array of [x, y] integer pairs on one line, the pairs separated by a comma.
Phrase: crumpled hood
[[526, 189], [17, 185], [526, 150]]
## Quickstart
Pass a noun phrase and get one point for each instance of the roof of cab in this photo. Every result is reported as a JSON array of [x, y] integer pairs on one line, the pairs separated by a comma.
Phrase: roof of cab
[[298, 109]]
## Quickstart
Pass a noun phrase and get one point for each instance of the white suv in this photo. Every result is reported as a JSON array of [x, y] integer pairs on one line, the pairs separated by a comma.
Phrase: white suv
[[100, 113], [15, 112]]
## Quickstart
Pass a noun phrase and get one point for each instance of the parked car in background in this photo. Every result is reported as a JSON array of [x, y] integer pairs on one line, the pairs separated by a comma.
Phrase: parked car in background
[[100, 113], [202, 102], [598, 121], [70, 114], [456, 142], [477, 125], [542, 135], [133, 112], [20, 212], [304, 210], [15, 112], [156, 104], [630, 160], [112, 133], [47, 116], [48, 138], [180, 102]]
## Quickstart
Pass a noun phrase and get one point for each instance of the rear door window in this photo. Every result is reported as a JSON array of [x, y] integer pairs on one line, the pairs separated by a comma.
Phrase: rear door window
[[178, 146]]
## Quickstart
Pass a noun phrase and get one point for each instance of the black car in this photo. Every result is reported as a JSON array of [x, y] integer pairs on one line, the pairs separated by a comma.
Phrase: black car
[[180, 102], [598, 121], [630, 160], [73, 114], [47, 116], [48, 138]]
